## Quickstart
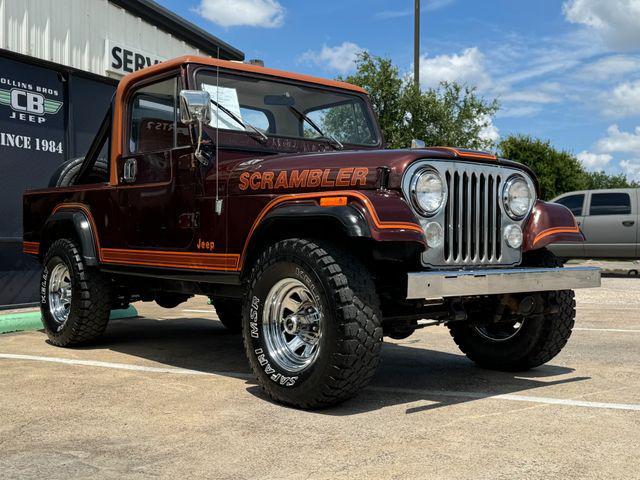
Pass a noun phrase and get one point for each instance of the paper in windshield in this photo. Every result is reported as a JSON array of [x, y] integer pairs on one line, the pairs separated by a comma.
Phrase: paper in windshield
[[228, 98]]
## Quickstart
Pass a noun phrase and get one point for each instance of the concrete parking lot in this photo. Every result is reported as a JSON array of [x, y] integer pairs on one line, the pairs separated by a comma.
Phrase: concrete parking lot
[[169, 394]]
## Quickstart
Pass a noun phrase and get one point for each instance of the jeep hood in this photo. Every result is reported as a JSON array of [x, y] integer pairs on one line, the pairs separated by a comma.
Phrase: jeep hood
[[359, 169]]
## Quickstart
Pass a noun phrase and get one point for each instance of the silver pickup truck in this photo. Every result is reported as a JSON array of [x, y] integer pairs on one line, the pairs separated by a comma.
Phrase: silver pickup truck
[[608, 220]]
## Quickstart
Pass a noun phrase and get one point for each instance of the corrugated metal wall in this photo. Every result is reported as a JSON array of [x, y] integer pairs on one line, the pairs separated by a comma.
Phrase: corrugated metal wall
[[73, 32]]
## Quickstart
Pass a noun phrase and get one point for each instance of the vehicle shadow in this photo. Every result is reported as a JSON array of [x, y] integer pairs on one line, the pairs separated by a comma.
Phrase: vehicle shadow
[[407, 374]]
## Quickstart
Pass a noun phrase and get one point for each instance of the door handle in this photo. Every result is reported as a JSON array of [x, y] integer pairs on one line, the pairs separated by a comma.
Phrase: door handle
[[628, 223], [129, 170]]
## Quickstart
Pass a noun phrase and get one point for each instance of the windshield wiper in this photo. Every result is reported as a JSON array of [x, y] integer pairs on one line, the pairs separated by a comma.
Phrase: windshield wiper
[[239, 121], [333, 141]]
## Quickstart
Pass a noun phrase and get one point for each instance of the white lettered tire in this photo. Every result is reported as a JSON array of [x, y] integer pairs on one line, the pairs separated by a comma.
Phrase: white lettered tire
[[311, 324]]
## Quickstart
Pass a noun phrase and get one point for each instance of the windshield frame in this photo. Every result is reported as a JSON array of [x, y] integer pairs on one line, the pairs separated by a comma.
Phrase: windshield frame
[[371, 118]]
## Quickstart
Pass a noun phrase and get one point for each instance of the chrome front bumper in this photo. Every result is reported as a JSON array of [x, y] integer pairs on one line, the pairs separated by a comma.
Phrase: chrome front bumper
[[434, 285]]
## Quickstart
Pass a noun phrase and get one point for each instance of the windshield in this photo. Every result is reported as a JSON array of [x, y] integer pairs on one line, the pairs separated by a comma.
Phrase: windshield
[[281, 109]]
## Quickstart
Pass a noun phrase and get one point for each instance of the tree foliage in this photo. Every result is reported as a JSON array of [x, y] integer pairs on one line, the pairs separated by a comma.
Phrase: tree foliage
[[450, 115], [558, 171]]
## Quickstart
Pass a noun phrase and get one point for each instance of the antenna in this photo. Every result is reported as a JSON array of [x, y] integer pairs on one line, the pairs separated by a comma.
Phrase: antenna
[[218, 207]]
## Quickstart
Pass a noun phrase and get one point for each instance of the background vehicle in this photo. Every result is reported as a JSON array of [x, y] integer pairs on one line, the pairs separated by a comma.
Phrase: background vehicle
[[270, 192], [608, 220]]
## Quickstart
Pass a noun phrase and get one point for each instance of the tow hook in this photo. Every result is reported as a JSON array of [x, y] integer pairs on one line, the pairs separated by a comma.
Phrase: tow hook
[[458, 313]]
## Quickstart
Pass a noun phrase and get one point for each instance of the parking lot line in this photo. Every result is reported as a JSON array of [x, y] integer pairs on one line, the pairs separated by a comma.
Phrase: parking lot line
[[511, 397], [121, 366], [191, 310], [240, 375], [619, 330]]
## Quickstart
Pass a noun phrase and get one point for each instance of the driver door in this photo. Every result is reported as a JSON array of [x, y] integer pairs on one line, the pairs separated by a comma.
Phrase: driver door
[[156, 187]]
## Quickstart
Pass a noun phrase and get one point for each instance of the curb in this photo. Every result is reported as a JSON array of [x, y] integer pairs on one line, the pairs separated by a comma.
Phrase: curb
[[19, 322]]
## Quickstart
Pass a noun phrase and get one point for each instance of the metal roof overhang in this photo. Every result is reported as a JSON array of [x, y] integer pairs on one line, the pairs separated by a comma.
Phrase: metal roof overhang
[[180, 28]]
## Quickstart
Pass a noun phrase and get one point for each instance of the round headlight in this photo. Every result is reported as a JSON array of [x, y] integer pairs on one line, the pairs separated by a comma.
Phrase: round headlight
[[517, 197], [428, 191]]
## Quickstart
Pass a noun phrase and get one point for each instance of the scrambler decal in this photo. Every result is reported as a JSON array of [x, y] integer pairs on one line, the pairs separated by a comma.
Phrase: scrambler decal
[[312, 178]]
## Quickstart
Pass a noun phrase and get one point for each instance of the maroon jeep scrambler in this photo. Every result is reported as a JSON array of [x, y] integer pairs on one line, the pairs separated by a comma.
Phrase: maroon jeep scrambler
[[272, 194]]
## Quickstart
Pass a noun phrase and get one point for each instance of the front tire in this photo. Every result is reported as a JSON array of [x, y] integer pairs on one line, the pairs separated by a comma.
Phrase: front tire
[[311, 324], [524, 343], [75, 301]]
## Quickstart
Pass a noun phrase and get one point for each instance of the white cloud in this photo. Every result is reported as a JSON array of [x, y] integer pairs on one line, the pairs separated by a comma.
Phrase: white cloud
[[466, 68], [233, 13], [489, 132], [529, 96], [623, 100], [610, 67], [519, 111], [428, 6], [615, 21], [341, 58], [594, 160], [631, 168], [619, 141]]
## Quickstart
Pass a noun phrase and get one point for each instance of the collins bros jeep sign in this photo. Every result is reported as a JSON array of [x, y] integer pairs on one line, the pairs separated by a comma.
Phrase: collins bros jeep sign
[[31, 116], [27, 105]]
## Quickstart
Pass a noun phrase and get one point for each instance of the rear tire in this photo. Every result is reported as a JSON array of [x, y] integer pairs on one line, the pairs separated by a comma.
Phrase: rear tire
[[229, 313], [75, 301], [324, 298], [539, 338]]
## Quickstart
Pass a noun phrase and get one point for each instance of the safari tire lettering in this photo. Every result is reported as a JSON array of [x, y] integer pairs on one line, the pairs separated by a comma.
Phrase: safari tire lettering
[[351, 337]]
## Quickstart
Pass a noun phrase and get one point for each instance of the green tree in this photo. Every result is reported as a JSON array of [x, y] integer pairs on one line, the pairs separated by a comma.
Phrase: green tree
[[450, 115], [599, 180], [558, 171]]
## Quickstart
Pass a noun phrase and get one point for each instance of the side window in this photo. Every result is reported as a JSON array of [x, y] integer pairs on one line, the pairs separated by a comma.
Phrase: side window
[[153, 117], [610, 204], [573, 203]]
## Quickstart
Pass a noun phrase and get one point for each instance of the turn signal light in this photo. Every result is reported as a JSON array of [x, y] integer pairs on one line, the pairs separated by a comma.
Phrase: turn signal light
[[333, 201]]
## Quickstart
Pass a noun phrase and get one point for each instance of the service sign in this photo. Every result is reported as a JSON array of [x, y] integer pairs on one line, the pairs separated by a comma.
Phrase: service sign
[[122, 59]]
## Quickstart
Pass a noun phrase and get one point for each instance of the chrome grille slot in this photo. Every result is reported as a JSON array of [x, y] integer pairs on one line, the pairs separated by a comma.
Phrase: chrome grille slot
[[472, 217], [473, 204]]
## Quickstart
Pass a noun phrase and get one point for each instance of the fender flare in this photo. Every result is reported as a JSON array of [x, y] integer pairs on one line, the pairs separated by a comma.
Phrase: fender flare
[[78, 221], [351, 220], [549, 223], [359, 216]]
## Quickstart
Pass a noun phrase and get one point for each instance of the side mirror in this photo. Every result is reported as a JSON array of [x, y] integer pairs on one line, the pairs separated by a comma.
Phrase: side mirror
[[195, 106], [417, 143]]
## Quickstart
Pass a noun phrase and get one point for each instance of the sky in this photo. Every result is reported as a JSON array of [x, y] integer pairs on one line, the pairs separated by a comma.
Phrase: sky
[[567, 71]]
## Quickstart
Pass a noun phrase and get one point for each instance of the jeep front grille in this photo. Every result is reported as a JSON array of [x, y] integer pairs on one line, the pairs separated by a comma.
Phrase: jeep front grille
[[473, 217]]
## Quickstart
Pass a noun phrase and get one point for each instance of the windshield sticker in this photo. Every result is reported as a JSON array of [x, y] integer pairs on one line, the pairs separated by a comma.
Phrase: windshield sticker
[[227, 98]]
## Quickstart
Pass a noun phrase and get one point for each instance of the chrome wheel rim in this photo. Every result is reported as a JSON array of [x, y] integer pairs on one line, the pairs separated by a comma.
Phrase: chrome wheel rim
[[292, 325], [500, 332], [60, 293]]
